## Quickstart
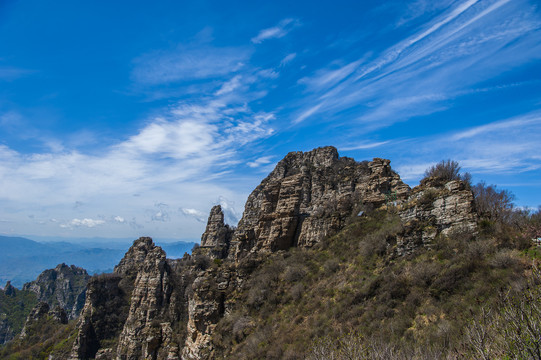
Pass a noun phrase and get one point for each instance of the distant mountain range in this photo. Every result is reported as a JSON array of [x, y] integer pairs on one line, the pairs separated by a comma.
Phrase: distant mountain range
[[22, 259]]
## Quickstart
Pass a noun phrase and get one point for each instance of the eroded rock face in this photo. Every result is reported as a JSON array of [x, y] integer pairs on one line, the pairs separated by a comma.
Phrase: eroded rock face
[[145, 331], [40, 313], [64, 286], [206, 307], [103, 315], [433, 209], [157, 308], [143, 305], [308, 196], [6, 331], [216, 239], [9, 289]]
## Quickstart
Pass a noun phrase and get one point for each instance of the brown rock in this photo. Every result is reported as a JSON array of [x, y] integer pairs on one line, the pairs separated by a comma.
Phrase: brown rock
[[217, 236], [308, 196]]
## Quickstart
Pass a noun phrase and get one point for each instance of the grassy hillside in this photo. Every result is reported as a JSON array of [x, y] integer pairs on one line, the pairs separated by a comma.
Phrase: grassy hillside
[[353, 287], [14, 308]]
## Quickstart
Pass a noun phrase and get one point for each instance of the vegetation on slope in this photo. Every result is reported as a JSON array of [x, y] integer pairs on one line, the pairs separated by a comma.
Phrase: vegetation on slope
[[420, 305], [45, 337], [14, 308]]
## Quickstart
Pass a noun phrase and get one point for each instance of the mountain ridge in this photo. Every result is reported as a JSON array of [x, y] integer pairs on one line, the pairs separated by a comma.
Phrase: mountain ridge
[[325, 244]]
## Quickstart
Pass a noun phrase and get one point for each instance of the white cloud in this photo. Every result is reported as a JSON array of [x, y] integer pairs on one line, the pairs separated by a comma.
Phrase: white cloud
[[364, 146], [231, 215], [260, 161], [230, 85], [518, 122], [287, 59], [419, 75], [188, 62], [306, 114], [276, 32], [183, 155], [196, 214], [90, 223], [328, 77], [500, 147]]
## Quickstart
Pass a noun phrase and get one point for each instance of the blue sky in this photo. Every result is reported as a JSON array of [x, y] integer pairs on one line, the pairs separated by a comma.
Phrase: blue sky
[[126, 118]]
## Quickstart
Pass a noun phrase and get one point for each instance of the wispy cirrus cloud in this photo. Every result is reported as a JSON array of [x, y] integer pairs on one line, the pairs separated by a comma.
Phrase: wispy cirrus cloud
[[264, 160], [9, 73], [500, 147], [276, 32], [419, 75], [365, 145], [188, 62], [288, 59], [176, 156]]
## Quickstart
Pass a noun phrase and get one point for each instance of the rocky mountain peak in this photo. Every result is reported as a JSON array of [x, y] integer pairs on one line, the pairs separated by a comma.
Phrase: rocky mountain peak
[[309, 196], [135, 257], [169, 309], [294, 161], [9, 289], [63, 286], [216, 239]]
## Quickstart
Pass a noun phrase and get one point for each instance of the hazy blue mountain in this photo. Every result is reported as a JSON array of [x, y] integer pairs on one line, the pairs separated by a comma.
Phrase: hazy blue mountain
[[22, 259]]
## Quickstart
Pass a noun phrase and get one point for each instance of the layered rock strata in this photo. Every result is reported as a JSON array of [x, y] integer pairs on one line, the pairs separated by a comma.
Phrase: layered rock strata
[[63, 286], [156, 308], [308, 196], [433, 208]]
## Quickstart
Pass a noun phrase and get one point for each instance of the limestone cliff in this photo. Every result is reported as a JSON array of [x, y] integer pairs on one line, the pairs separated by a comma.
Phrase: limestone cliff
[[43, 312], [63, 286], [216, 239], [308, 196], [155, 308], [15, 305], [432, 209]]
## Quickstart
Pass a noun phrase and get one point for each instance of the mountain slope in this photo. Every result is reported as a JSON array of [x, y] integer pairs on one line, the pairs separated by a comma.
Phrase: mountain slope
[[326, 245]]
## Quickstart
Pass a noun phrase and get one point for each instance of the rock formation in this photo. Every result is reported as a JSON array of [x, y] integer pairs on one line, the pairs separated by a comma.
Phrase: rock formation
[[9, 289], [64, 286], [216, 239], [15, 305], [433, 208], [156, 308], [308, 196], [42, 312]]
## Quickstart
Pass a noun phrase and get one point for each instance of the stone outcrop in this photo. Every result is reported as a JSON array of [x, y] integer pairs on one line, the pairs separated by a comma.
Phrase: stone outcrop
[[145, 330], [63, 286], [6, 331], [42, 312], [140, 304], [156, 308], [434, 208], [308, 196], [9, 289], [102, 316], [216, 239]]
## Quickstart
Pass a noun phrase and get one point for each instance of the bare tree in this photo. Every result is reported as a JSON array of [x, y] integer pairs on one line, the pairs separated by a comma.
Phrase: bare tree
[[520, 320], [445, 170], [492, 203]]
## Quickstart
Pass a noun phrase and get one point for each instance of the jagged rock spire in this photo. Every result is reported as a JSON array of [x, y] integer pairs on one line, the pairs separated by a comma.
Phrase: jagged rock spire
[[217, 236], [215, 232], [9, 289]]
